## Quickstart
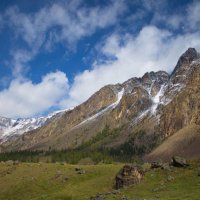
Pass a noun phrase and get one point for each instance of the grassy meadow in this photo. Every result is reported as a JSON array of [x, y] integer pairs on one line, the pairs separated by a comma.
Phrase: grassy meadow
[[59, 181]]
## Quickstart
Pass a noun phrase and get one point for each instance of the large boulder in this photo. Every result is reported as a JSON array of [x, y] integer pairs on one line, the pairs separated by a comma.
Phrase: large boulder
[[129, 175], [179, 162]]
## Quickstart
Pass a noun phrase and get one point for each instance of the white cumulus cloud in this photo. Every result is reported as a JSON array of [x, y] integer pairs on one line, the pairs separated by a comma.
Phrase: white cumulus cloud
[[24, 98], [152, 49]]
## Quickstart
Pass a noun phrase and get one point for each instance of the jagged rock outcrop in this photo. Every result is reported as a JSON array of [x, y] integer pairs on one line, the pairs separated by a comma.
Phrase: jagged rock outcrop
[[182, 67]]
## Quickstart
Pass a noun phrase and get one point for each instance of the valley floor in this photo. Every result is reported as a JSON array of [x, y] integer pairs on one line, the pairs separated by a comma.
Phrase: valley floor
[[37, 181]]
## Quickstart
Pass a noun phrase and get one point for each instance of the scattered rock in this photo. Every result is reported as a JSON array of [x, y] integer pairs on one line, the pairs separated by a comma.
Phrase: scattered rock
[[102, 196], [9, 162], [58, 174], [79, 170], [9, 172], [157, 189], [66, 178], [115, 192], [179, 162], [98, 197], [124, 197], [170, 178], [157, 164], [190, 168], [166, 166], [157, 196], [162, 183], [160, 164], [129, 175]]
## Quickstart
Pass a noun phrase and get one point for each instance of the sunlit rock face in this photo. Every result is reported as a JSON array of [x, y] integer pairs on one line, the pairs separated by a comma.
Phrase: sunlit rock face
[[157, 103]]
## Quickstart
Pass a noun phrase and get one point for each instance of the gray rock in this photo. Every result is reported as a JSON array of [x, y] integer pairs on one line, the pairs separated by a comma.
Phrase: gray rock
[[115, 192], [124, 197], [99, 197], [81, 172], [157, 164], [179, 162], [170, 178]]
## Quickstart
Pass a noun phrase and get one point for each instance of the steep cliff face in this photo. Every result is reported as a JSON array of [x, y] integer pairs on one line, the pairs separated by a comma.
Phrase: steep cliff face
[[156, 103], [183, 94], [180, 118]]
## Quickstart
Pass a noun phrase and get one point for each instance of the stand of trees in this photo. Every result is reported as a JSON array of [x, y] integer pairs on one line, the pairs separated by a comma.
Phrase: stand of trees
[[138, 145]]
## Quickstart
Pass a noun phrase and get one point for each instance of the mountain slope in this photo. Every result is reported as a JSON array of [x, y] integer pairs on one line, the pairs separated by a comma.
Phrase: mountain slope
[[113, 105], [10, 128], [184, 142], [184, 108], [157, 104]]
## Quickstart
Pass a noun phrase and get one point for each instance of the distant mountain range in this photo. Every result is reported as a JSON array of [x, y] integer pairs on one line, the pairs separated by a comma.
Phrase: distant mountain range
[[155, 108], [15, 127]]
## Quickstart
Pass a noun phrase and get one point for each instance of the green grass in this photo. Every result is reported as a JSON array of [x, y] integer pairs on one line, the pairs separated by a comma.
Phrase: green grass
[[37, 181]]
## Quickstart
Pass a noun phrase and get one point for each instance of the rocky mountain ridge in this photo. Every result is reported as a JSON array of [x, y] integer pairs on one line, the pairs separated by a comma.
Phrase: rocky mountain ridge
[[158, 104], [15, 127]]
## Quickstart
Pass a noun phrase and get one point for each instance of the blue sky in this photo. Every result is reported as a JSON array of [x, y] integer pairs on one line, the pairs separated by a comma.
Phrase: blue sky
[[56, 54]]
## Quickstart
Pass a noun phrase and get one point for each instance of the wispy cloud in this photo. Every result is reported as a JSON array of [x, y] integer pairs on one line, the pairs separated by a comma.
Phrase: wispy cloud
[[58, 23], [186, 19]]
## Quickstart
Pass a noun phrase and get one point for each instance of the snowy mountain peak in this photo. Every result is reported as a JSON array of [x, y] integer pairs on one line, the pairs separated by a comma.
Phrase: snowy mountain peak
[[11, 127]]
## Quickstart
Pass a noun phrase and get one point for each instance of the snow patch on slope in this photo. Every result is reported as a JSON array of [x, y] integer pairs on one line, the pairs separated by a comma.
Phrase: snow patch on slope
[[11, 127], [110, 107], [140, 117], [157, 99]]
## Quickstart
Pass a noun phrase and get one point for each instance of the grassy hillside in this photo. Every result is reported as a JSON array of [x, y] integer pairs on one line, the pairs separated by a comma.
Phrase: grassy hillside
[[37, 181], [184, 142]]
